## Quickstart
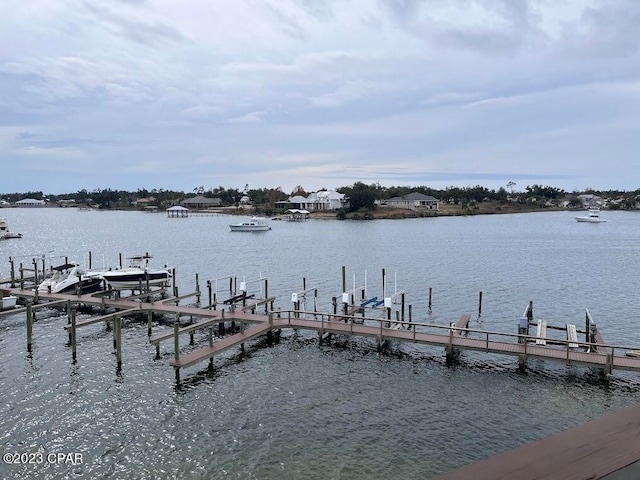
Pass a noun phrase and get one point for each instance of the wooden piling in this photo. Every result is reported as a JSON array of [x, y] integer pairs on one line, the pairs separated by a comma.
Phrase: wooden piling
[[480, 305], [176, 340], [29, 327], [118, 329], [73, 336], [149, 322], [209, 293], [430, 289]]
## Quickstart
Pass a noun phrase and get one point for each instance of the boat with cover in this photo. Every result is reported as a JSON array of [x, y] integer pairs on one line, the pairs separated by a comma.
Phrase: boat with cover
[[71, 278], [138, 273], [255, 224], [592, 216]]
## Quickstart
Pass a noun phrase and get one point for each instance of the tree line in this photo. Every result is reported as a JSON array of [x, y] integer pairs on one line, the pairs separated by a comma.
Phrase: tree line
[[360, 194]]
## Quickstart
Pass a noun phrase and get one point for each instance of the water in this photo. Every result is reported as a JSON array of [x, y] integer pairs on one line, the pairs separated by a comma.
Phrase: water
[[295, 409]]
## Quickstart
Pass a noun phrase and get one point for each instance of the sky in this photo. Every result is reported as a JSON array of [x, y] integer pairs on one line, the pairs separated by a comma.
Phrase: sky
[[182, 94]]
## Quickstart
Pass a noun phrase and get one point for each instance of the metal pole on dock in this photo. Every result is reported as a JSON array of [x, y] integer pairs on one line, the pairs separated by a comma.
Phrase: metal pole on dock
[[35, 271], [90, 263], [197, 288], [29, 327], [209, 292], [173, 281], [344, 279], [430, 289], [480, 304]]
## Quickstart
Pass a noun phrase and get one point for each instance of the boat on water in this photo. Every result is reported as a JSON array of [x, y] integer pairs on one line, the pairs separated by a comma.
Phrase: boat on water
[[4, 231], [138, 273], [255, 224], [71, 278], [592, 216]]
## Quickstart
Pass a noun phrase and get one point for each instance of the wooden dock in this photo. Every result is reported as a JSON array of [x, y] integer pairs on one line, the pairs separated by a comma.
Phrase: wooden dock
[[454, 337]]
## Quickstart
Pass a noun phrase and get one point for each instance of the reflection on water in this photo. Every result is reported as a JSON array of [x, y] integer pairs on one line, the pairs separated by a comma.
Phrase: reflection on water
[[292, 408]]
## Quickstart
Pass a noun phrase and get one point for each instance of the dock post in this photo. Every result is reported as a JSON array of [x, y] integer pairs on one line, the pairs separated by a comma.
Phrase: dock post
[[120, 259], [21, 276], [266, 295], [211, 346], [176, 341], [197, 288], [177, 370], [103, 305], [173, 281], [118, 329], [35, 271], [430, 289], [90, 260], [29, 327], [410, 320], [13, 272], [402, 306], [209, 293], [149, 322], [73, 336], [480, 305], [115, 332], [609, 365], [344, 279]]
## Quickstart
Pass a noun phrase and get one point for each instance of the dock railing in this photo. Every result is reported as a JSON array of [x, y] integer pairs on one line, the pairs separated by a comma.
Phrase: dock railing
[[492, 340]]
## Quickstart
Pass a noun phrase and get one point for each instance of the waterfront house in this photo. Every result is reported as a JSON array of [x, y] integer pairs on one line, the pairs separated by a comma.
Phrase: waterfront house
[[200, 202], [315, 201], [415, 201], [30, 202]]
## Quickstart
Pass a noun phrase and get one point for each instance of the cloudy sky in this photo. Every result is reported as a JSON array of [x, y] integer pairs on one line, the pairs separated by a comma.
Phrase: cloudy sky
[[177, 94]]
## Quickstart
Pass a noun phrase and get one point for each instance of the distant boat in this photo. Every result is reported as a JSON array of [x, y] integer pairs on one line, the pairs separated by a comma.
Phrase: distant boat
[[69, 278], [255, 224], [137, 273], [4, 231], [593, 216]]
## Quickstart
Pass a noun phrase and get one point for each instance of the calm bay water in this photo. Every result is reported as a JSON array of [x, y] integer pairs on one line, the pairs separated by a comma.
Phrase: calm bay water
[[296, 410]]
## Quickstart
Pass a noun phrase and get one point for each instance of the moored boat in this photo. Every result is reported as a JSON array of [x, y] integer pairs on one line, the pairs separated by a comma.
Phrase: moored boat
[[138, 273], [255, 224], [71, 278], [4, 231]]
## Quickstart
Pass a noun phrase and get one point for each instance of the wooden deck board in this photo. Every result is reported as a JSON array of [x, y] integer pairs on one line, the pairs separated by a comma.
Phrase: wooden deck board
[[590, 451], [220, 346]]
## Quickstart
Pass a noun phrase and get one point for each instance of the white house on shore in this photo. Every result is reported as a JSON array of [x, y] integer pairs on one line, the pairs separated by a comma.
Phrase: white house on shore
[[316, 201], [30, 202], [415, 201]]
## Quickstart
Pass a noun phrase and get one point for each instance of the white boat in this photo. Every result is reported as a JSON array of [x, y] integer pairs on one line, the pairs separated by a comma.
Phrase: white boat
[[7, 301], [70, 278], [592, 216], [255, 224], [137, 274], [4, 231]]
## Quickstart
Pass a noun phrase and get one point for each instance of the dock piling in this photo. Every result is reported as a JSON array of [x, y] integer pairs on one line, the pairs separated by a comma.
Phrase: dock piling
[[29, 327], [73, 336]]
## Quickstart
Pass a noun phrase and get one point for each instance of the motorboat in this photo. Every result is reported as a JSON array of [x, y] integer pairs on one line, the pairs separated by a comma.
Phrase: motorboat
[[592, 216], [138, 273], [4, 231], [71, 278], [255, 224], [7, 301]]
